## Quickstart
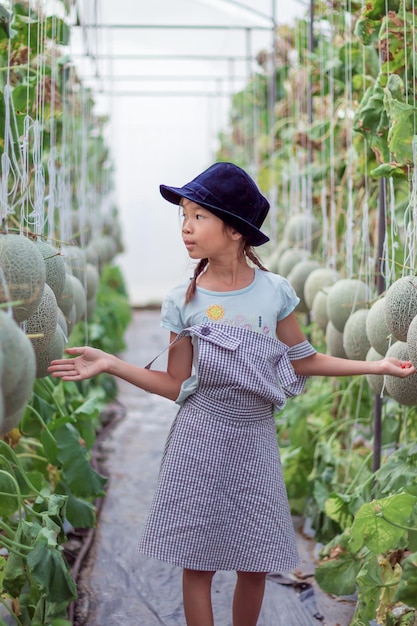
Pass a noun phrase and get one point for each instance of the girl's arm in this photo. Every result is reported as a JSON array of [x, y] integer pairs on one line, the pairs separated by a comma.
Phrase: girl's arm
[[290, 333], [91, 361]]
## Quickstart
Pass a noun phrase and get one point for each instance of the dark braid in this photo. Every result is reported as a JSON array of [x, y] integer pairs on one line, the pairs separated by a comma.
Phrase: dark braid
[[189, 294], [252, 256]]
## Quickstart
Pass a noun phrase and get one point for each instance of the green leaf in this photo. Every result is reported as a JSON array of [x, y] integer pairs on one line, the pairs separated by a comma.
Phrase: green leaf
[[380, 525], [49, 569], [338, 575], [80, 513], [9, 499], [337, 508], [82, 479], [407, 589]]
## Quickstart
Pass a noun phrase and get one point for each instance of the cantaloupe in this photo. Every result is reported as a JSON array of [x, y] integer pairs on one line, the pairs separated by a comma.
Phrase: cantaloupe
[[62, 322], [91, 281], [298, 276], [375, 381], [355, 340], [272, 262], [75, 260], [66, 300], [80, 301], [401, 306], [71, 319], [18, 371], [40, 326], [55, 267], [101, 251], [319, 278], [303, 230], [54, 350], [290, 258], [319, 309], [334, 341], [403, 390], [412, 341], [344, 298], [22, 274], [376, 328]]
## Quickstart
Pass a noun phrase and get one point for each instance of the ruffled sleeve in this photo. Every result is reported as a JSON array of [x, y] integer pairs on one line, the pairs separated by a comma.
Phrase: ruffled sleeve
[[293, 384]]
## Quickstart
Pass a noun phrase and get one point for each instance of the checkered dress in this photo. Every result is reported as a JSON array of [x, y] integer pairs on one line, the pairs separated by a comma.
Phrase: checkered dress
[[220, 502]]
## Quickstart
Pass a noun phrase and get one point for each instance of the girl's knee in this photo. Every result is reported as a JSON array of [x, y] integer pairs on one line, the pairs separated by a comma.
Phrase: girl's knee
[[198, 574], [252, 577]]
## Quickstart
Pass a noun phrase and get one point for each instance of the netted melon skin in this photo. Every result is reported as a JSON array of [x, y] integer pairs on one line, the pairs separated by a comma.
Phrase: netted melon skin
[[55, 350], [303, 230], [317, 280], [412, 341], [80, 301], [375, 381], [334, 341], [22, 274], [55, 267], [289, 259], [344, 298], [18, 371], [403, 390], [376, 328], [66, 300], [319, 309], [355, 340], [43, 321], [297, 277], [401, 306]]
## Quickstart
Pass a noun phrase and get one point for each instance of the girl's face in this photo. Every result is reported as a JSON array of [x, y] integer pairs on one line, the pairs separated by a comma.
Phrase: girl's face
[[204, 234]]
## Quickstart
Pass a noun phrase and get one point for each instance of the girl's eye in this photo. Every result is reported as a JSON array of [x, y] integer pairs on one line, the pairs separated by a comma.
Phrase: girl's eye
[[199, 216]]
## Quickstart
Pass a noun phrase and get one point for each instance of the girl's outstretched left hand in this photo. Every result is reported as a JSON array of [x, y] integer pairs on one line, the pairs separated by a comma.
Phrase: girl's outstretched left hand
[[394, 367], [88, 363]]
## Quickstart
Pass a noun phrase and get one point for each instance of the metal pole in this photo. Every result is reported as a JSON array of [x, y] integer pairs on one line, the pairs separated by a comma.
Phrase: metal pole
[[380, 284]]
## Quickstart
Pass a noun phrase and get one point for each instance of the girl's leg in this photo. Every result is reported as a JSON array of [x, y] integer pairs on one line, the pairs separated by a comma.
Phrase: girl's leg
[[247, 600], [196, 587]]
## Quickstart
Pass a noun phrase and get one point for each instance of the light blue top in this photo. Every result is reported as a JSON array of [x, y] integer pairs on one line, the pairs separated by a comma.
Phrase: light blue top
[[258, 307]]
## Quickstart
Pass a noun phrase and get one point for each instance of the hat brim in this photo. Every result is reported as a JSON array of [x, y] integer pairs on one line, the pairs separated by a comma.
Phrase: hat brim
[[254, 236]]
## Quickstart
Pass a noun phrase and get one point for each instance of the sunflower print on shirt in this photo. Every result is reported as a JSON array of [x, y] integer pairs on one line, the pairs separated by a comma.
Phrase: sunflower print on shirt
[[215, 312]]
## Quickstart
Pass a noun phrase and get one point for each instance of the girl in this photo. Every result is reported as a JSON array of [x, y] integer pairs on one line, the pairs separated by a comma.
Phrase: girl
[[236, 354]]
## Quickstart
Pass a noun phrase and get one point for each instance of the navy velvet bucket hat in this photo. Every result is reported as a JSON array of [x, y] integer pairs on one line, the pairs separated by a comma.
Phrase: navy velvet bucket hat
[[230, 193]]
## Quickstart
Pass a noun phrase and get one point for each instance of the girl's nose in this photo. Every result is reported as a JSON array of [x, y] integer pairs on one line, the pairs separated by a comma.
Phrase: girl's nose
[[186, 226]]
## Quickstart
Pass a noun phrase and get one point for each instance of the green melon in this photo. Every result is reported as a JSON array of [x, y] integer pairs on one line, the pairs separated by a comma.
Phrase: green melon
[[91, 307], [66, 300], [355, 340], [375, 381], [91, 281], [272, 262], [43, 321], [55, 267], [344, 298], [80, 301], [55, 350], [71, 319], [298, 276], [18, 374], [403, 390], [22, 274], [304, 231], [319, 309], [75, 261], [401, 306], [412, 341], [289, 259], [319, 278], [62, 322], [334, 341], [376, 328]]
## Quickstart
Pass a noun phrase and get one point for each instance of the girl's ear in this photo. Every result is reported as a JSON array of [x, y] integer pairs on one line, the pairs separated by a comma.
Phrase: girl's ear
[[235, 235]]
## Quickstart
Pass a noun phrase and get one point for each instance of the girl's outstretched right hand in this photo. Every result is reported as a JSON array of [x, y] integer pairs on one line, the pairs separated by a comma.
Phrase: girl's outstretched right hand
[[88, 363]]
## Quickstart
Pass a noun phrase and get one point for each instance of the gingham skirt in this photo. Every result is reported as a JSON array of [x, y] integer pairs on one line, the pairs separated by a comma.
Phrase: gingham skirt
[[220, 502]]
